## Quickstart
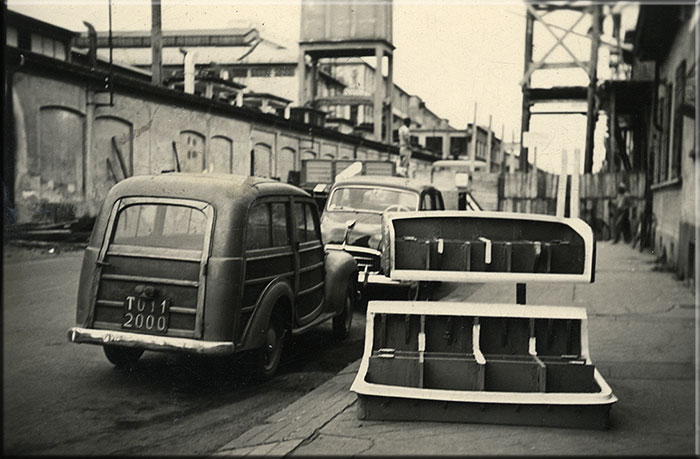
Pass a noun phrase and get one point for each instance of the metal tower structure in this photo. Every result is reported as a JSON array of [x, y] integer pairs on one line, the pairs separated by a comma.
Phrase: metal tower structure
[[542, 13], [353, 28]]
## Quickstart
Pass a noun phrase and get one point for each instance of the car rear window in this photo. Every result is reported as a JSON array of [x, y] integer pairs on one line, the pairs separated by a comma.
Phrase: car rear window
[[161, 225]]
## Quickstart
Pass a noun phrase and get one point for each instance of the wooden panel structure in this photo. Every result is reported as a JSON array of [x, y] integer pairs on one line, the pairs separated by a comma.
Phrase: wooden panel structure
[[537, 192]]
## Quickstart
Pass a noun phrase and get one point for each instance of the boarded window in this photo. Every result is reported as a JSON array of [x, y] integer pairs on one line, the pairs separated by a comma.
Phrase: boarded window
[[261, 160], [285, 163], [61, 147], [191, 151], [221, 155], [112, 147]]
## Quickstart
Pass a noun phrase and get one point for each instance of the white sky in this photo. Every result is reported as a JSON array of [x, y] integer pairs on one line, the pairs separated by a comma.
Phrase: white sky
[[450, 53]]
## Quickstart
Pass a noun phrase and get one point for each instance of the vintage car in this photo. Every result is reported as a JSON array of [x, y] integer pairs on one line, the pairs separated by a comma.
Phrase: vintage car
[[352, 218], [209, 264], [453, 178]]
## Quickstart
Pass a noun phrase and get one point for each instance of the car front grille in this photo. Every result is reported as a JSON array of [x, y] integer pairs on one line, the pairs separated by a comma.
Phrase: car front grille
[[364, 260]]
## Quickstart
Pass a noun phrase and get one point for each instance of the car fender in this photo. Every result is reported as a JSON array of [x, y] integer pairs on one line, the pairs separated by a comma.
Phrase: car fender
[[255, 333], [341, 269]]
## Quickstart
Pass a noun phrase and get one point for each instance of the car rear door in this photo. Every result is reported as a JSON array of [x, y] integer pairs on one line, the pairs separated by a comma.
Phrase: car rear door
[[152, 271], [311, 261]]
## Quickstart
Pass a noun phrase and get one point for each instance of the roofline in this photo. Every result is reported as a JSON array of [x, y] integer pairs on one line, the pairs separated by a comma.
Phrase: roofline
[[14, 18], [148, 90]]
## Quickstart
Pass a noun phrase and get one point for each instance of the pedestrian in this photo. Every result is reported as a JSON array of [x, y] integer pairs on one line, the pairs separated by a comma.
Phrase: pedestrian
[[405, 146], [623, 204]]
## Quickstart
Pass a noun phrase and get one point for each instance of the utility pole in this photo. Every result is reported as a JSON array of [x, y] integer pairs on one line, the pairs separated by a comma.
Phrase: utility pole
[[156, 44], [525, 120], [473, 143], [502, 150], [488, 147], [591, 113]]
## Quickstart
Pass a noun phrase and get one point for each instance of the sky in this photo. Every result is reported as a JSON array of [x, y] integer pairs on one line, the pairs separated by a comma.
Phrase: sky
[[453, 54]]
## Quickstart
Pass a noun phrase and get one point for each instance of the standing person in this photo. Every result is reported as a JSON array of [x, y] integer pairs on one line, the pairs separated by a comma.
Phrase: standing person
[[404, 146], [623, 203]]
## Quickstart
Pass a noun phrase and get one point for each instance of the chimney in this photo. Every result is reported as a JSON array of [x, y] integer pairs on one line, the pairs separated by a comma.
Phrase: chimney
[[156, 44], [92, 44], [189, 70]]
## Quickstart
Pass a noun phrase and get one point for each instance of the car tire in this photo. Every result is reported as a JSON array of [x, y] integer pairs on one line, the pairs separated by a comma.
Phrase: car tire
[[343, 321], [267, 358], [122, 357]]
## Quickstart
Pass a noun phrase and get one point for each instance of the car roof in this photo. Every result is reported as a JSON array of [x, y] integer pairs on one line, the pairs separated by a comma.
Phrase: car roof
[[386, 181], [208, 187]]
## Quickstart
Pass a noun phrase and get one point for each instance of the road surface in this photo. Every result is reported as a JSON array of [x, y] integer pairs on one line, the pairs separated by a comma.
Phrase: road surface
[[67, 399]]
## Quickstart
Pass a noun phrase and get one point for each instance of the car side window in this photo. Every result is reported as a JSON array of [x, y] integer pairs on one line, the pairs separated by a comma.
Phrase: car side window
[[427, 202], [312, 226], [440, 204], [280, 232], [300, 222], [258, 235]]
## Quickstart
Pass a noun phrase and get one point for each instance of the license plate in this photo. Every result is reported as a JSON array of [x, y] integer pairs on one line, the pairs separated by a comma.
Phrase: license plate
[[146, 314]]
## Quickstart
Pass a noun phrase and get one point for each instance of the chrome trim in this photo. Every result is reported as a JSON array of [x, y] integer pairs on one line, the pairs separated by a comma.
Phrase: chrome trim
[[376, 278], [354, 248], [149, 342], [153, 280], [158, 253]]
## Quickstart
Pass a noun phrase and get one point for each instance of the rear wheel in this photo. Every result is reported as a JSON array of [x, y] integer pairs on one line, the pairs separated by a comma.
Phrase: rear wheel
[[267, 358], [343, 321], [123, 357]]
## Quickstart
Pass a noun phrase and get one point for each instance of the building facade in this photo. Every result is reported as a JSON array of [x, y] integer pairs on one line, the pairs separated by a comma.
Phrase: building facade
[[665, 56], [75, 127]]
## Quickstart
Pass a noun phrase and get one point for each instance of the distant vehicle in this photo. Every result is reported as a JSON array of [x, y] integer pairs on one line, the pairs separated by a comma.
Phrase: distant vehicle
[[353, 214], [209, 264], [453, 179], [318, 175]]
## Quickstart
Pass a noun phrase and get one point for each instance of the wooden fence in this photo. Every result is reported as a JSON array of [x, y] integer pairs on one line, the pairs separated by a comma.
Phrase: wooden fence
[[537, 193]]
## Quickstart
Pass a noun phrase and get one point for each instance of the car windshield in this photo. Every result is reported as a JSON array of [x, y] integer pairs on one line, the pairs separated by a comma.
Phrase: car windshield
[[371, 199]]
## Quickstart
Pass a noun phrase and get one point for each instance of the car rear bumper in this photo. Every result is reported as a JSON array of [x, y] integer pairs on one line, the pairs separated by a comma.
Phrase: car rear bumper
[[148, 342]]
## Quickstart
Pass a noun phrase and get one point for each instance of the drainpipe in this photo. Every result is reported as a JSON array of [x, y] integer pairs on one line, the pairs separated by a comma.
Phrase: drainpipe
[[189, 70]]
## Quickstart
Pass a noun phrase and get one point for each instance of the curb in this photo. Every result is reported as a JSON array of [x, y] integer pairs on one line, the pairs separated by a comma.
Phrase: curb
[[291, 427]]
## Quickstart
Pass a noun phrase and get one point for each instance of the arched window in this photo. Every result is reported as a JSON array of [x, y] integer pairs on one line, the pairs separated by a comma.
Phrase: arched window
[[112, 153], [191, 151], [220, 155], [286, 161], [260, 160], [308, 154], [61, 147]]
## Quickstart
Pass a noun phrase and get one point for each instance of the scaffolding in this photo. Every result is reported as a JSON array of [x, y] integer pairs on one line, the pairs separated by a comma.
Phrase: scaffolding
[[542, 13]]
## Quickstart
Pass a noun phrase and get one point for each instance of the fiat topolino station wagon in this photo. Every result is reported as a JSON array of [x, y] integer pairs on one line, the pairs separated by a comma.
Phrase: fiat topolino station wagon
[[209, 264]]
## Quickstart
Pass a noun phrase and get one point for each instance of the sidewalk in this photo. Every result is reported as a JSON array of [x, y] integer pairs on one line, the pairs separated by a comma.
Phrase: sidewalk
[[642, 339]]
